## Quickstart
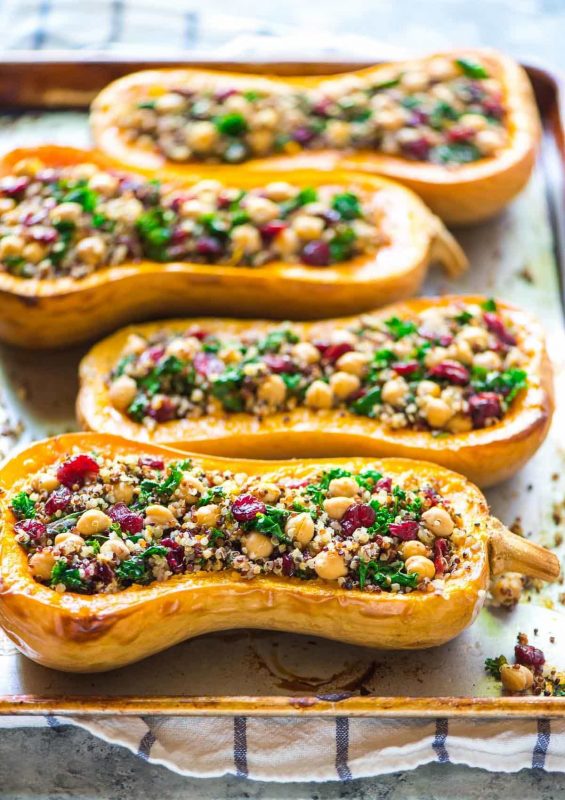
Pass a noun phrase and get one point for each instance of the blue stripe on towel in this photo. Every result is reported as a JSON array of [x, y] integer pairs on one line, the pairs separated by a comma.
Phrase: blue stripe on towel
[[40, 34], [190, 29], [342, 748], [145, 745], [542, 744], [438, 743], [116, 23], [240, 746]]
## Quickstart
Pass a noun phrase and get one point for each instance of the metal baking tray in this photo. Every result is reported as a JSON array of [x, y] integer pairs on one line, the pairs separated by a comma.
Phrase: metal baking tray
[[518, 256]]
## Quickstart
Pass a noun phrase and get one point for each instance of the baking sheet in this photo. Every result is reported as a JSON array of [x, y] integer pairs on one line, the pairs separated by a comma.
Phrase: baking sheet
[[257, 672]]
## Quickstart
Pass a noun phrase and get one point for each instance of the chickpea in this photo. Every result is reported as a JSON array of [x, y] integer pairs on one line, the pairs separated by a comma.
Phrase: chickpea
[[190, 488], [69, 543], [268, 492], [46, 482], [34, 252], [280, 191], [319, 395], [123, 209], [437, 412], [330, 566], [192, 209], [93, 521], [260, 141], [11, 246], [438, 521], [122, 392], [66, 212], [343, 487], [202, 136], [41, 564], [160, 516], [6, 205], [266, 118], [272, 390], [246, 238], [307, 227], [343, 384], [123, 493], [391, 119], [300, 528], [394, 391], [135, 345], [335, 507], [462, 352], [91, 250], [414, 81], [412, 548], [184, 348], [354, 363], [85, 171], [338, 132], [516, 677], [507, 588], [490, 141], [428, 389], [207, 516], [442, 69], [257, 545], [104, 183], [170, 103], [261, 210], [28, 167], [460, 423], [423, 567], [306, 353], [114, 547], [488, 360], [475, 122], [286, 243], [475, 336], [434, 356]]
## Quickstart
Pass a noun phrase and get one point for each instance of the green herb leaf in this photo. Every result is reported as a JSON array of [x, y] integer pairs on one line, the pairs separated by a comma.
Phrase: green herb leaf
[[211, 496], [347, 205], [365, 404], [471, 68], [23, 506], [68, 576], [489, 305], [400, 328], [493, 665], [231, 124], [455, 153]]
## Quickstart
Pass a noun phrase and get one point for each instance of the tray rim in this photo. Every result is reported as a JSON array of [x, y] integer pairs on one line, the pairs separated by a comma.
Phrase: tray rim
[[337, 704]]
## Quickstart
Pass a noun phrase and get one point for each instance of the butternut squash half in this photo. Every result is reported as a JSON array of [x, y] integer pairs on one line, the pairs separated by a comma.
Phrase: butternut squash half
[[64, 310], [460, 193], [67, 630], [486, 454]]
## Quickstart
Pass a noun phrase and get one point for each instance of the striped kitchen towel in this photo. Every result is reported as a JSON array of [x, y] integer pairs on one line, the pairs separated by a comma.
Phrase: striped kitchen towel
[[324, 749]]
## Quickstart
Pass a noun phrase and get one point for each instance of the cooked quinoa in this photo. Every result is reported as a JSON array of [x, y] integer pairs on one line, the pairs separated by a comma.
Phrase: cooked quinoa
[[444, 111], [70, 221], [93, 524], [448, 369]]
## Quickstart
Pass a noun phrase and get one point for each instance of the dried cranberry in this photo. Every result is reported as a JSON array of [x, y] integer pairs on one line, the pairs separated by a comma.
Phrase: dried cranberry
[[209, 247], [384, 483], [431, 495], [76, 470], [11, 186], [44, 235], [529, 656], [35, 218], [58, 500], [459, 133], [303, 135], [175, 555], [246, 507], [153, 354], [272, 229], [316, 253], [179, 235], [330, 216], [99, 571], [484, 406], [153, 462], [406, 368], [35, 529], [331, 352], [126, 518], [208, 364], [493, 107], [443, 339], [287, 565], [197, 333], [418, 117], [164, 412], [221, 95], [406, 531], [496, 326], [451, 371], [279, 363], [360, 515], [322, 107], [440, 556], [297, 484], [418, 149]]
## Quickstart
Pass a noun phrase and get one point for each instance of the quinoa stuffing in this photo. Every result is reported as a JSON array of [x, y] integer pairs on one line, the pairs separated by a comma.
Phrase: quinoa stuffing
[[70, 221], [447, 370], [444, 111], [530, 672], [93, 524]]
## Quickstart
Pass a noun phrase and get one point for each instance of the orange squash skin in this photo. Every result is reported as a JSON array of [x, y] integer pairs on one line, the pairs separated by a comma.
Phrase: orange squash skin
[[486, 456], [460, 196], [60, 312], [90, 633]]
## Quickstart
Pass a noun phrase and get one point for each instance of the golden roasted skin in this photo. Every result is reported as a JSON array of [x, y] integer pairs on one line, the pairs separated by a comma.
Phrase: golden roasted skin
[[462, 195], [486, 456], [81, 633]]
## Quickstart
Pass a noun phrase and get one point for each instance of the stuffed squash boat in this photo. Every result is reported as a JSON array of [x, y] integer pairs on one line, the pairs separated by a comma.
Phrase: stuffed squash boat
[[460, 128], [460, 380], [85, 248], [113, 550]]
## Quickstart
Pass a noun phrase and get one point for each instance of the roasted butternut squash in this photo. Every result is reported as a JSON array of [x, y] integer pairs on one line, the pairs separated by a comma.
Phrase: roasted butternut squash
[[459, 128], [51, 614], [97, 294], [509, 368]]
